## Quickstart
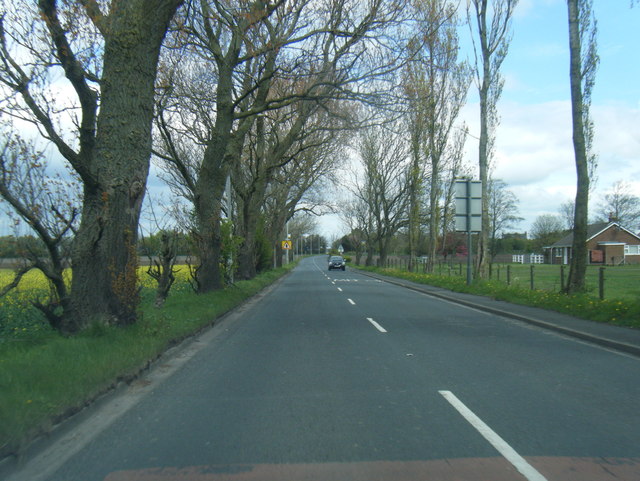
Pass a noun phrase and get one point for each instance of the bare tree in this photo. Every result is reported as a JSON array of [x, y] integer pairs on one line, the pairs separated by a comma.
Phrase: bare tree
[[106, 53], [439, 86], [298, 185], [324, 51], [567, 212], [546, 229], [283, 140], [503, 210], [583, 64], [621, 205], [356, 215], [49, 206], [162, 257], [383, 185], [491, 21], [162, 266], [453, 169]]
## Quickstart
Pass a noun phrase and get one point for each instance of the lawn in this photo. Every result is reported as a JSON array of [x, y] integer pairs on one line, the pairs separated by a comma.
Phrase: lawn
[[620, 282]]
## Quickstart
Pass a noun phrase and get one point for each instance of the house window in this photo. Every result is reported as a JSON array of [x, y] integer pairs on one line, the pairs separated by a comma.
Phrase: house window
[[631, 250]]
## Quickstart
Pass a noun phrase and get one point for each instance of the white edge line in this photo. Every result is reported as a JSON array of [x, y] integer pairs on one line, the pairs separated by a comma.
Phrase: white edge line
[[351, 301], [376, 325], [494, 439], [455, 303]]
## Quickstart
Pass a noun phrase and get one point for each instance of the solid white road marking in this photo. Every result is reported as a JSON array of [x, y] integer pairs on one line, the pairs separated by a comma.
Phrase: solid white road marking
[[494, 439], [376, 325], [352, 303]]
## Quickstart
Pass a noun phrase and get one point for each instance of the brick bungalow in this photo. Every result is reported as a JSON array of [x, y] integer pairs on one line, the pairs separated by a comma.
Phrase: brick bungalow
[[607, 242]]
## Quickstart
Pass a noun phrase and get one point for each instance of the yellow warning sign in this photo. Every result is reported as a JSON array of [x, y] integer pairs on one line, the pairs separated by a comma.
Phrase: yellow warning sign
[[286, 245]]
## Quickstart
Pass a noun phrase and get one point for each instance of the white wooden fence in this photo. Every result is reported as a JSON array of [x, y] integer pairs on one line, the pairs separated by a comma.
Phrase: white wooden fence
[[528, 259]]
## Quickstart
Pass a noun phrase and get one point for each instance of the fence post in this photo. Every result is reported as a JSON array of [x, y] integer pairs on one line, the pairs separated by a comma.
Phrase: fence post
[[562, 278], [498, 272], [532, 266], [508, 275], [601, 283], [460, 266]]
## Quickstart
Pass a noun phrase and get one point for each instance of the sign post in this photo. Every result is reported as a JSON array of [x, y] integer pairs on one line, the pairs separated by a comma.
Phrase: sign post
[[469, 214]]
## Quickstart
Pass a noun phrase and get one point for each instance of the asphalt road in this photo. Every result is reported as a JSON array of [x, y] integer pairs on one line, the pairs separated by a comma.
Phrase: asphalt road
[[337, 376]]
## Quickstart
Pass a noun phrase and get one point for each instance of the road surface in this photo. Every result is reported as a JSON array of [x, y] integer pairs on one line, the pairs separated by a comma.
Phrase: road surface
[[338, 376]]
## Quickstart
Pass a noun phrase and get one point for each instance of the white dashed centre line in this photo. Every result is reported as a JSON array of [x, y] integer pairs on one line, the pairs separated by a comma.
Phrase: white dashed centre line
[[340, 289], [494, 439], [351, 301], [376, 325]]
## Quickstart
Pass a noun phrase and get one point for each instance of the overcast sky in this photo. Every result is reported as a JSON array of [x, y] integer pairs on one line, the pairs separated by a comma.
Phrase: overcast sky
[[534, 152]]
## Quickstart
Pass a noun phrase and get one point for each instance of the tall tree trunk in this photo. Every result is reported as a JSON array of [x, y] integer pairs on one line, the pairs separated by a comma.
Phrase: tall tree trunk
[[104, 283], [279, 252], [414, 196], [578, 267], [210, 187], [247, 249], [493, 22], [358, 254], [483, 167], [369, 261], [208, 213], [434, 208], [382, 247]]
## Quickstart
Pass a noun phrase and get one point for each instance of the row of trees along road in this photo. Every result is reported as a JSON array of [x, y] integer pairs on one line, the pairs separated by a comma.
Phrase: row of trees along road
[[434, 89], [256, 92], [409, 163], [250, 97]]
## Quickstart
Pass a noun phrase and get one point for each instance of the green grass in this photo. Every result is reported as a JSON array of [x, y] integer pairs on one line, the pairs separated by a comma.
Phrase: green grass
[[44, 376], [621, 311], [620, 282]]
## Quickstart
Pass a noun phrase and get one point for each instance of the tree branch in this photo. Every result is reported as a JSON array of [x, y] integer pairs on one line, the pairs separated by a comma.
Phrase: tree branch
[[76, 74]]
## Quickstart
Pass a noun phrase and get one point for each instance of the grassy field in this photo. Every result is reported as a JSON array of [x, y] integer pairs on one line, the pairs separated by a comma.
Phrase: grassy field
[[44, 376], [620, 282]]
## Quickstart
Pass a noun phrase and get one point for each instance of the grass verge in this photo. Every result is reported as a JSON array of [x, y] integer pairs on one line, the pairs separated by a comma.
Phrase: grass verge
[[620, 312], [45, 377]]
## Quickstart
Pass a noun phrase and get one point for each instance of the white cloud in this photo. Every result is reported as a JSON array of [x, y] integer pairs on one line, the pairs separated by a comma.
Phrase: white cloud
[[534, 151]]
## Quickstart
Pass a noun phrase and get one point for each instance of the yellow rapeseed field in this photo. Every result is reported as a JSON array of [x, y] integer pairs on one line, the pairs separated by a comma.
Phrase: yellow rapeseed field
[[17, 314]]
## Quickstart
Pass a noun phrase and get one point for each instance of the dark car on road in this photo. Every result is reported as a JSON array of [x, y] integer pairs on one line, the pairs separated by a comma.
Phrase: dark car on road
[[336, 262]]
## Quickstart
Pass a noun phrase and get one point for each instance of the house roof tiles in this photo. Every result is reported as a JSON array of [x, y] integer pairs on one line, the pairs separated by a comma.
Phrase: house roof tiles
[[592, 231]]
